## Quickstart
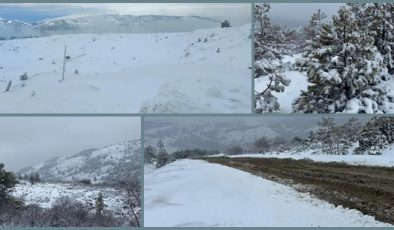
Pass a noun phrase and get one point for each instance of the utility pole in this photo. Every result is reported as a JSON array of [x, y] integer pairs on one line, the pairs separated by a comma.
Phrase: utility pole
[[64, 62]]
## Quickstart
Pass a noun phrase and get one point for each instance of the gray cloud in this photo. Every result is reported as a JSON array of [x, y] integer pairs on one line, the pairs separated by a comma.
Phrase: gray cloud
[[26, 141]]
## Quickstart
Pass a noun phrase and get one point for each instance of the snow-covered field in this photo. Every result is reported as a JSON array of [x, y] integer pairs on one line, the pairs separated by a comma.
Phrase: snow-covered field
[[203, 71], [45, 194], [298, 82], [385, 160], [197, 193]]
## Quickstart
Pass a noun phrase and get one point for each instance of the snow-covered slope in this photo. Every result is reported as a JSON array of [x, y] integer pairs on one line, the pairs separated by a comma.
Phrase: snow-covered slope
[[104, 23], [204, 71], [109, 164], [196, 193]]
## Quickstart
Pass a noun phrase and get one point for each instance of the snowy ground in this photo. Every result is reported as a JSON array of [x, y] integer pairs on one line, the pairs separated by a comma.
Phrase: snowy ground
[[298, 82], [191, 72], [385, 160], [45, 194], [197, 193]]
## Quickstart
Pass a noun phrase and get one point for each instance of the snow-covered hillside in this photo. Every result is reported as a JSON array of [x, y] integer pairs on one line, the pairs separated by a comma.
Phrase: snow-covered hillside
[[110, 164], [196, 193], [203, 71], [104, 23], [45, 194]]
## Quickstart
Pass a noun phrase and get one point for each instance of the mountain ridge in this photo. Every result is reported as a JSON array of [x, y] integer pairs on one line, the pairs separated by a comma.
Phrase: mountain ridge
[[103, 23], [108, 164]]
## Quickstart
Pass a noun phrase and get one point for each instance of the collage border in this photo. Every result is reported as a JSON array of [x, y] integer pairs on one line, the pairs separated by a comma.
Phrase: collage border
[[142, 116]]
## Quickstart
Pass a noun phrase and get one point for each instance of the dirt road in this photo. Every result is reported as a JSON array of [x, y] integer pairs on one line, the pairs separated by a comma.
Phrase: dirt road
[[367, 189]]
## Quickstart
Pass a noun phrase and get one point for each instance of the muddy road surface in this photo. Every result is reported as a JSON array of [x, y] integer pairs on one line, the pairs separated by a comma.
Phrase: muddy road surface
[[367, 189]]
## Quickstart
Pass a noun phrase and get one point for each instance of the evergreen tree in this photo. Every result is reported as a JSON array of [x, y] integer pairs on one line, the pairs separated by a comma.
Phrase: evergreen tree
[[346, 136], [344, 69], [378, 19], [315, 25], [34, 177], [7, 183], [351, 130], [37, 177], [334, 139], [149, 155], [372, 141], [386, 127], [268, 55], [162, 157], [310, 142], [324, 135], [99, 204]]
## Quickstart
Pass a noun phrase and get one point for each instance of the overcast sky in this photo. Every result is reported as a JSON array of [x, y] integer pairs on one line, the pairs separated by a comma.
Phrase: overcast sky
[[298, 14], [27, 141], [32, 12]]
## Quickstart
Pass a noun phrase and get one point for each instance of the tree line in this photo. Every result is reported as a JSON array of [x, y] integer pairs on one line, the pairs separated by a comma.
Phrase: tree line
[[159, 156], [352, 137]]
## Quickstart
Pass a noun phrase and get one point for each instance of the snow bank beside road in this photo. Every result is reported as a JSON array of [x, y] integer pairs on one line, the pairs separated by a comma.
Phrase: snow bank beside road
[[197, 193], [384, 160]]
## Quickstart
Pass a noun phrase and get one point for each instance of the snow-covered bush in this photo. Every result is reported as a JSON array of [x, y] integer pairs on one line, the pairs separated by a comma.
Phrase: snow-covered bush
[[376, 136]]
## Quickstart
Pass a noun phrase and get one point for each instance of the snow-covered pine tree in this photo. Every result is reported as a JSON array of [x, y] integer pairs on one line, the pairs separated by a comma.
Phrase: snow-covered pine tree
[[294, 41], [99, 204], [371, 141], [324, 135], [310, 142], [344, 69], [7, 183], [378, 18], [149, 155], [345, 136], [162, 157], [386, 126], [310, 32], [351, 130], [315, 25], [268, 56]]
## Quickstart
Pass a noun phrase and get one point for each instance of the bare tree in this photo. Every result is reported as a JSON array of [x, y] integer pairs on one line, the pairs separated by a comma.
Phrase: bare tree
[[134, 201]]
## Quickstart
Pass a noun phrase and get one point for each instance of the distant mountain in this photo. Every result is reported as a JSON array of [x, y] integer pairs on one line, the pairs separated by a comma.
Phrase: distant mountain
[[110, 164], [218, 135], [104, 23], [16, 29]]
